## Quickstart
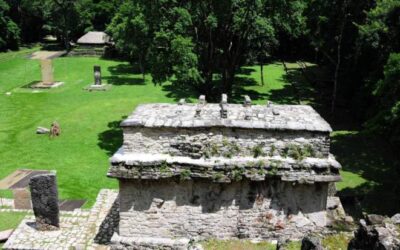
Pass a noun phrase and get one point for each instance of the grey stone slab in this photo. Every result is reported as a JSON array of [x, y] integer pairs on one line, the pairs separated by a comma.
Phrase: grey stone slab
[[44, 195]]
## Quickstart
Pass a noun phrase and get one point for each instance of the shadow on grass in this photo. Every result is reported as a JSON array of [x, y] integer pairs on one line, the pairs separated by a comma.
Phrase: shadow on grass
[[370, 157], [29, 85], [124, 74], [111, 139], [213, 92]]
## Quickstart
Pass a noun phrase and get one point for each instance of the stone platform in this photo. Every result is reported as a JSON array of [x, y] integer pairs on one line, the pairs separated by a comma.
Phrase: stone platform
[[42, 85], [94, 87]]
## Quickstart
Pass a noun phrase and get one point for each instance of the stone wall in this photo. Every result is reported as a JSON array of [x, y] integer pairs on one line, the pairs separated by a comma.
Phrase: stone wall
[[198, 209], [226, 142]]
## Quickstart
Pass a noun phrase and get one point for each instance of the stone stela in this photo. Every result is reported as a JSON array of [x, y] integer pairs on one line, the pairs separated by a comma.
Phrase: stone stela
[[199, 171], [46, 66], [47, 72], [97, 85], [97, 75], [44, 195]]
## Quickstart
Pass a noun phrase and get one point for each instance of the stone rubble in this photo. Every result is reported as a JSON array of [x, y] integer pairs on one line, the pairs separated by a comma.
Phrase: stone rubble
[[376, 233]]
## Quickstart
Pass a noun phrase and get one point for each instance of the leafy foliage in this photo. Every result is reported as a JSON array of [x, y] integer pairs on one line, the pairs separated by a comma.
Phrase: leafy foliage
[[387, 92], [197, 42], [9, 31]]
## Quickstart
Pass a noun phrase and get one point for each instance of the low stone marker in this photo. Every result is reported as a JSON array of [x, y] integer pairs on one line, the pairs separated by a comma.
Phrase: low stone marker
[[44, 195]]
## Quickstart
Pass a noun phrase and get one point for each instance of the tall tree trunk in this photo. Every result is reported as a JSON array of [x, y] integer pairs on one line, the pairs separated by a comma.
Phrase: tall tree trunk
[[262, 73], [141, 66], [337, 66], [227, 81]]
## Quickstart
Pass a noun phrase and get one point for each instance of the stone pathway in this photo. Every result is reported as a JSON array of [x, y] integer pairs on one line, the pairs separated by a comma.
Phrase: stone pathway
[[77, 228], [47, 54]]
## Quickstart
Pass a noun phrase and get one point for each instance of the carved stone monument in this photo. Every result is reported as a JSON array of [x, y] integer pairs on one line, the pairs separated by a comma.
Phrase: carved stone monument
[[44, 196], [97, 80], [46, 68], [97, 75]]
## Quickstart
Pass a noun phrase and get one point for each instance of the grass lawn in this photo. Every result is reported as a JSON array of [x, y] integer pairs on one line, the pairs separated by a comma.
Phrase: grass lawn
[[90, 120]]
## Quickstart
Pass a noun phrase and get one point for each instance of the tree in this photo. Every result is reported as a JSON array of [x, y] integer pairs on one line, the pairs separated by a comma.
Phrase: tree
[[131, 33], [62, 19], [380, 38], [387, 95], [9, 31], [197, 42]]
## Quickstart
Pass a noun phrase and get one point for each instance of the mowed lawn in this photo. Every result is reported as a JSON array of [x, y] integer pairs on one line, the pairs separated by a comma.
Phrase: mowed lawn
[[89, 120]]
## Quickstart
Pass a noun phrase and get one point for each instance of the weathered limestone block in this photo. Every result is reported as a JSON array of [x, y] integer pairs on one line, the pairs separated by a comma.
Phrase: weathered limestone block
[[206, 143], [44, 195], [47, 71], [200, 210]]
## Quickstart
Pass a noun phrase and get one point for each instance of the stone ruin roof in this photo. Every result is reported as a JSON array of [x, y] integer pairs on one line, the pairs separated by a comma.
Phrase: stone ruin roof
[[94, 37], [269, 117], [140, 164]]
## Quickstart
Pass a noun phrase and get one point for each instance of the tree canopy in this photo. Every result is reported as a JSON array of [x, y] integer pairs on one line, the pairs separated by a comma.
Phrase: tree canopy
[[202, 43]]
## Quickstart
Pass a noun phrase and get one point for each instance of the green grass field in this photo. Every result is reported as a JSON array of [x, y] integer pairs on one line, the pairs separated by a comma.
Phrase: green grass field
[[90, 120]]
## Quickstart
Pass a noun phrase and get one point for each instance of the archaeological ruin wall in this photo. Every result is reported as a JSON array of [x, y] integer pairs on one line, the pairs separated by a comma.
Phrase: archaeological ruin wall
[[198, 171]]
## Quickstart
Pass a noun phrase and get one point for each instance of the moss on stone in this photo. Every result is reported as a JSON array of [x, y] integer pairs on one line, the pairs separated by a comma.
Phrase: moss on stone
[[185, 174], [214, 244], [257, 151]]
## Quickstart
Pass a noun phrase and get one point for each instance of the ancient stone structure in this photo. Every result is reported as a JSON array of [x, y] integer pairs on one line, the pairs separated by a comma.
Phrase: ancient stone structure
[[46, 66], [198, 171], [97, 75], [97, 80], [44, 194]]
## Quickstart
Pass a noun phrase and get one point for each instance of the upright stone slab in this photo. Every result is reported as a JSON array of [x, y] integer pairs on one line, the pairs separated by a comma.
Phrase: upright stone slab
[[97, 85], [97, 75], [47, 71], [44, 195]]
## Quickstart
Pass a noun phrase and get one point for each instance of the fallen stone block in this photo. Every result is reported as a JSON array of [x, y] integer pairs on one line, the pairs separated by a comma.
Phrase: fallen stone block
[[42, 130], [4, 235]]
